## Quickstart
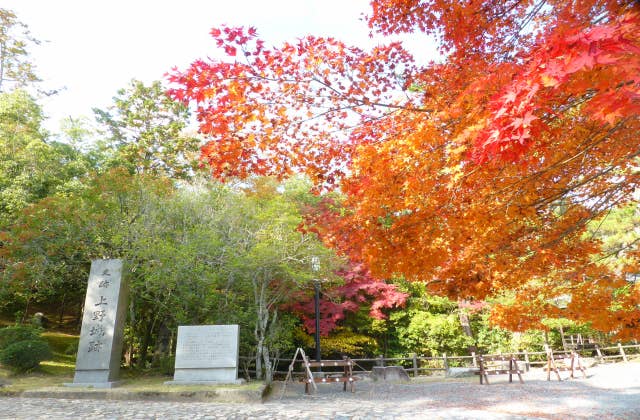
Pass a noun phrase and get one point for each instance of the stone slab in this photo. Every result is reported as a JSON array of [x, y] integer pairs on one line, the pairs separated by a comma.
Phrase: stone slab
[[461, 372], [207, 346], [207, 354], [100, 345], [389, 373]]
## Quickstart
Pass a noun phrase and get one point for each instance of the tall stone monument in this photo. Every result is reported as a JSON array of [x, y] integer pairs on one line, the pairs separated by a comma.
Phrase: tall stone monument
[[100, 346], [207, 354]]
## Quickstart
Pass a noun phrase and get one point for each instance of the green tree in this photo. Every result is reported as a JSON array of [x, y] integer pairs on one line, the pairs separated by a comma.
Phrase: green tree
[[200, 253], [174, 252], [431, 325], [268, 260], [16, 70], [31, 167], [144, 130]]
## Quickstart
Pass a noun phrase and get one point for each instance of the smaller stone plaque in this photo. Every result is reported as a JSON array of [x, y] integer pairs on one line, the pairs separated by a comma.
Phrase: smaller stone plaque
[[207, 354]]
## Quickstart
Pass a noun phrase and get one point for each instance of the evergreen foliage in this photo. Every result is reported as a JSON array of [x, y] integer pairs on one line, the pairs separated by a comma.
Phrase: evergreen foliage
[[13, 334], [24, 356]]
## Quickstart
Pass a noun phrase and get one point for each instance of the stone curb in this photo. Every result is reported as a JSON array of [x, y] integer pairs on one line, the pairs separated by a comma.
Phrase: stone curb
[[116, 394]]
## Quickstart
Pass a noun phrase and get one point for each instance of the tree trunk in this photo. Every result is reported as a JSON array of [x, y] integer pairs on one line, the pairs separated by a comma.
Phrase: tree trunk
[[142, 354], [564, 344], [26, 310], [79, 315], [268, 369], [466, 325], [266, 352], [261, 326], [144, 346], [262, 352], [128, 356], [162, 343], [464, 321], [61, 314], [259, 361]]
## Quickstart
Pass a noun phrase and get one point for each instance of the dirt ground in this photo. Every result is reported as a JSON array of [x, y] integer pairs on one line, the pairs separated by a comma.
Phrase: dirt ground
[[610, 391]]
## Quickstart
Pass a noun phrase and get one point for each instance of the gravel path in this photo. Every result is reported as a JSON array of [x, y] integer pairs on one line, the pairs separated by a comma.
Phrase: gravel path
[[609, 392]]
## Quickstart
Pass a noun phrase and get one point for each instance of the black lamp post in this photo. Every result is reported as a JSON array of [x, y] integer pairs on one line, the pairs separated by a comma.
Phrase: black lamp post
[[315, 267]]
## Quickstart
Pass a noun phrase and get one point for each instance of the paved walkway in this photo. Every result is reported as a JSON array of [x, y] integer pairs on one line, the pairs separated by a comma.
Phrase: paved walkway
[[44, 408], [608, 393]]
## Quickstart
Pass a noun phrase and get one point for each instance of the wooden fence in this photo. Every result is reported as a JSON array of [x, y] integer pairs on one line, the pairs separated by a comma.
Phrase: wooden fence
[[612, 353], [427, 366]]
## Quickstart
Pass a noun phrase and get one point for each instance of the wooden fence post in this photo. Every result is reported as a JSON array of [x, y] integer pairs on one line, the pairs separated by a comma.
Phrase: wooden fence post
[[415, 365], [527, 363], [446, 364], [474, 360], [381, 360], [622, 353], [600, 359]]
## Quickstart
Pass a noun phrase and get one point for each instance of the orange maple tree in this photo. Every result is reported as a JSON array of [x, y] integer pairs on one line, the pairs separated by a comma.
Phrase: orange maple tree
[[476, 173]]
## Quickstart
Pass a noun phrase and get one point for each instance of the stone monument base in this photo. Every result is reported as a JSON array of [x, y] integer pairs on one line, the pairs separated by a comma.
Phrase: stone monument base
[[112, 384], [205, 376], [196, 382], [96, 378]]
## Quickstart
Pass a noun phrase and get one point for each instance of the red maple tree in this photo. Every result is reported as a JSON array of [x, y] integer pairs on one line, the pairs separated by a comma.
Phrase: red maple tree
[[359, 289]]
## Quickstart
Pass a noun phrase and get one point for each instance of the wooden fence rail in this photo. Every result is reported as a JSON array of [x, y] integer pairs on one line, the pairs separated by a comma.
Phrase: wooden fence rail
[[603, 354], [429, 365]]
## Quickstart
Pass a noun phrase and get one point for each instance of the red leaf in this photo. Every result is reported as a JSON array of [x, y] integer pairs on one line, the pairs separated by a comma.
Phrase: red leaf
[[230, 50]]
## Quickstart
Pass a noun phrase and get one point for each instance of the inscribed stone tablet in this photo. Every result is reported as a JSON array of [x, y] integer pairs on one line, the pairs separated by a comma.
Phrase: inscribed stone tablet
[[207, 346], [100, 346]]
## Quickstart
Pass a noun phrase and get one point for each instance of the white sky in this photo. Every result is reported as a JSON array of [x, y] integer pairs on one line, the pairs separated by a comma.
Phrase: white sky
[[92, 48]]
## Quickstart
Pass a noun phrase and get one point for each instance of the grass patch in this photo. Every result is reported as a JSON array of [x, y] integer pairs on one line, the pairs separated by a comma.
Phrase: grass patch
[[60, 343], [52, 374], [43, 379], [157, 384], [49, 367], [62, 364], [153, 381], [33, 380]]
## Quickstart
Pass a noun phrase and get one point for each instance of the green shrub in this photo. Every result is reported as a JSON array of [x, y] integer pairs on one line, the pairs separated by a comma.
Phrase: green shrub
[[343, 342], [17, 333], [25, 355]]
